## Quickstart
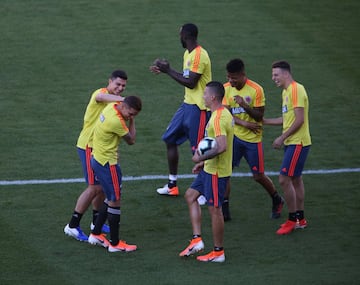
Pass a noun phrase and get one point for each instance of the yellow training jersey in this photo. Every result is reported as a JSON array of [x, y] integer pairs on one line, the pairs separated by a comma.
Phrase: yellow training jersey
[[109, 129], [253, 94], [221, 123], [293, 97], [91, 116], [197, 61]]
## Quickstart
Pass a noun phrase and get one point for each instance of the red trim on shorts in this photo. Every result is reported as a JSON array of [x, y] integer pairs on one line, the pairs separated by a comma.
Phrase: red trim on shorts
[[214, 184], [115, 181], [294, 159], [261, 157], [202, 125], [90, 172]]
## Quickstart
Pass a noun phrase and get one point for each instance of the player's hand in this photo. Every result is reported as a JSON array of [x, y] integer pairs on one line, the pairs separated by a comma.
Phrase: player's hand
[[278, 142], [254, 127], [240, 100], [162, 64], [196, 157], [197, 168], [154, 69]]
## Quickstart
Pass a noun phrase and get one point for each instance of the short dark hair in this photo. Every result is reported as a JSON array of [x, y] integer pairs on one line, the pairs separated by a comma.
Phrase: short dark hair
[[119, 73], [218, 88], [190, 30], [235, 65], [282, 64], [133, 102]]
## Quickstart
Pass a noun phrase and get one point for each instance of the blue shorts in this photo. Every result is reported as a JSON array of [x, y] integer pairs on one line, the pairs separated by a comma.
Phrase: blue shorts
[[253, 153], [294, 160], [110, 178], [211, 186], [85, 156], [188, 122]]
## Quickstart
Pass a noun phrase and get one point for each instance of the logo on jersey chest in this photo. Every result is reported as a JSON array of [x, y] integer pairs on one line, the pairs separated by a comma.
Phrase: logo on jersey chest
[[237, 110]]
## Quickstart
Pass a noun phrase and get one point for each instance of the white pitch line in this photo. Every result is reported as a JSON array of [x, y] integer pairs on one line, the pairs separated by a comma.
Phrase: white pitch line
[[156, 177]]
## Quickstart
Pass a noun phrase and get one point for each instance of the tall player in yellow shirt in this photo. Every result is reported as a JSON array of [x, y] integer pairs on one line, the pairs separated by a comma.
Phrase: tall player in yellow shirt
[[93, 192], [189, 121], [214, 169], [246, 101], [297, 141]]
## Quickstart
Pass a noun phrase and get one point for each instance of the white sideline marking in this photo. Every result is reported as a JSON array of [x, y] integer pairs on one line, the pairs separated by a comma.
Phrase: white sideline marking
[[155, 177]]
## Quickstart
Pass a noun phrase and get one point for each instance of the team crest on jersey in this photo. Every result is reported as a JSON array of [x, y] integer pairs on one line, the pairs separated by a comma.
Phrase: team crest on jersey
[[284, 109], [247, 99]]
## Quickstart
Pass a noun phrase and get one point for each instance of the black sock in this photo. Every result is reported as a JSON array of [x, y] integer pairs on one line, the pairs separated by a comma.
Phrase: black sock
[[218, 248], [292, 217], [95, 214], [100, 220], [171, 183], [300, 215], [196, 236], [276, 198], [114, 223], [75, 220]]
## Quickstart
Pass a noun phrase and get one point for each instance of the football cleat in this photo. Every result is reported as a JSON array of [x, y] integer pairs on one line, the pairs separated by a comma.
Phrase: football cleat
[[286, 228], [76, 233], [174, 191], [196, 245], [301, 224], [213, 256], [98, 240], [122, 246], [105, 228]]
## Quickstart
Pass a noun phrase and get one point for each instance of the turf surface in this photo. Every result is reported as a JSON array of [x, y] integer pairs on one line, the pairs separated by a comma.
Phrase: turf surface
[[55, 53]]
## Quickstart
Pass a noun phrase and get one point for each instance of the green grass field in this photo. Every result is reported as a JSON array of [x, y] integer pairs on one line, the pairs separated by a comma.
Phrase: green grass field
[[53, 54]]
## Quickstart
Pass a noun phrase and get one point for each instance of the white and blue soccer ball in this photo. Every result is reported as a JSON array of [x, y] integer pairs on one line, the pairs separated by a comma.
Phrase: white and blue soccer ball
[[206, 144]]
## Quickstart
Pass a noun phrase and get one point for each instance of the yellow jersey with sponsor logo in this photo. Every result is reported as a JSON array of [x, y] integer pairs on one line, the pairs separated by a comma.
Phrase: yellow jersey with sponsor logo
[[253, 95]]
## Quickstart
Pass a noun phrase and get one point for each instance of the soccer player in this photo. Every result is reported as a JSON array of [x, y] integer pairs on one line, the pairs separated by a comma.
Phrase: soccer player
[[93, 192], [190, 119], [214, 169], [297, 141], [246, 100], [110, 128]]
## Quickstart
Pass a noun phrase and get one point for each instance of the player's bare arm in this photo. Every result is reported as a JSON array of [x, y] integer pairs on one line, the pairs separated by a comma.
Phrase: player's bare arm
[[257, 113], [106, 97], [254, 127], [273, 121], [162, 65], [130, 137], [218, 149], [299, 120]]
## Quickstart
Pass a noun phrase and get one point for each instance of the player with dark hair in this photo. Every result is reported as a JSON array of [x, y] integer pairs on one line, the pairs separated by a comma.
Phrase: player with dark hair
[[214, 170], [110, 128], [297, 141], [246, 101], [93, 193], [190, 119]]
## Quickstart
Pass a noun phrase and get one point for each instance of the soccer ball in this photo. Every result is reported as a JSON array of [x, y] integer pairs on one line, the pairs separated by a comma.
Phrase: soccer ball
[[205, 145]]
